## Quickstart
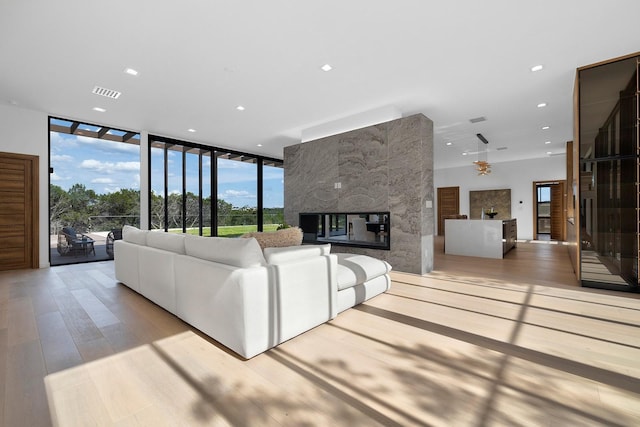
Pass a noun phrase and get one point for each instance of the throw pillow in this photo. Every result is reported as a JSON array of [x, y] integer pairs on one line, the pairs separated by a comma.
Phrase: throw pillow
[[277, 239]]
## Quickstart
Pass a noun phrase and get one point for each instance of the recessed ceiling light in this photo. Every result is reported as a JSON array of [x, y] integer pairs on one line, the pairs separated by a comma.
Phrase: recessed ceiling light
[[326, 67], [548, 152], [131, 71], [191, 130], [259, 145], [547, 142], [464, 154], [536, 68], [542, 104], [545, 127], [240, 108], [99, 109], [449, 143]]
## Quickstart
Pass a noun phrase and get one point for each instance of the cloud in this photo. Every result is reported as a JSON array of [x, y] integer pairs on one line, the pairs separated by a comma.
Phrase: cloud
[[237, 194], [109, 190], [102, 181], [55, 177], [109, 167], [61, 158]]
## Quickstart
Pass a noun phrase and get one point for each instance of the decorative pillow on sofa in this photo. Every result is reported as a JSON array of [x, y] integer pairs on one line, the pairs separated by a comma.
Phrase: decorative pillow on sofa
[[225, 250], [291, 253], [276, 239], [171, 242], [134, 235]]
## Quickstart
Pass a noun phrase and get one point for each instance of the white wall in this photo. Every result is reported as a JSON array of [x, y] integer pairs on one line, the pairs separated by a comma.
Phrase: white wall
[[25, 132], [517, 176]]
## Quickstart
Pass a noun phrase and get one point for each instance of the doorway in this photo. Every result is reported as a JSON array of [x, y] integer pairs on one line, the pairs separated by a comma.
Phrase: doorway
[[19, 218], [448, 204], [549, 210]]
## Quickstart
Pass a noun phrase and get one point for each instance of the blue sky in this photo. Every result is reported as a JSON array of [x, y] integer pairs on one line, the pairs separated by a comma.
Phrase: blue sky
[[107, 166]]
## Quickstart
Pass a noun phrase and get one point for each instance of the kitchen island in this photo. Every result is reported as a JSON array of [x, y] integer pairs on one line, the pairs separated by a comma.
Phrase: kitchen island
[[487, 238]]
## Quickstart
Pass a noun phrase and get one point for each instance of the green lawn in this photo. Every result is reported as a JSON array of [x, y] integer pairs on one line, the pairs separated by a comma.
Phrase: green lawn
[[231, 230]]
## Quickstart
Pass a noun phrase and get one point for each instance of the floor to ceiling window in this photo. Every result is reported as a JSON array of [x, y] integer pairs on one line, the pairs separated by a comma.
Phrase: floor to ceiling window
[[185, 181], [94, 188], [237, 194], [272, 194]]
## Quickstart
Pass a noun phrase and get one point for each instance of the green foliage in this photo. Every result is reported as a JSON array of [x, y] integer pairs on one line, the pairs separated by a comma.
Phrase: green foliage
[[86, 211]]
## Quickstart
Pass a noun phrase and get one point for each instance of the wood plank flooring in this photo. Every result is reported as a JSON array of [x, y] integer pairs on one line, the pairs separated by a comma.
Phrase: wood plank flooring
[[478, 342]]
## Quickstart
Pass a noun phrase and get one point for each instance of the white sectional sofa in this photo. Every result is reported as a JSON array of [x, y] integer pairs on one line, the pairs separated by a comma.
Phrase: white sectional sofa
[[244, 298]]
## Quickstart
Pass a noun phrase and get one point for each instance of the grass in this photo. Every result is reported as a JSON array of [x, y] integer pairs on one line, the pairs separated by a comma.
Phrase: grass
[[231, 230]]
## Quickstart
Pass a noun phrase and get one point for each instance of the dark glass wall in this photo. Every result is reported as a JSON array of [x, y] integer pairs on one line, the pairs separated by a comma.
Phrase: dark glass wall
[[608, 123]]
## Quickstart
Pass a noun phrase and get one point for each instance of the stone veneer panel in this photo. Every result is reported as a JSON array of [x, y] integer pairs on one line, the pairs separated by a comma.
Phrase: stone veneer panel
[[388, 166]]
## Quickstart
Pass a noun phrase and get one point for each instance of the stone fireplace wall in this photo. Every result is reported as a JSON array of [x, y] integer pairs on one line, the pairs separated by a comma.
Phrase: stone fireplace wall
[[385, 167]]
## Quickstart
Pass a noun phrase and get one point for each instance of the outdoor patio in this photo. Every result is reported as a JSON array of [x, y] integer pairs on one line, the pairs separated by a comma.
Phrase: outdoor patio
[[98, 254]]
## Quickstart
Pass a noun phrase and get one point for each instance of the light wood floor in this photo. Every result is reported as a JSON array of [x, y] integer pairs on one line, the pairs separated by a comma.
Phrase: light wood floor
[[511, 342]]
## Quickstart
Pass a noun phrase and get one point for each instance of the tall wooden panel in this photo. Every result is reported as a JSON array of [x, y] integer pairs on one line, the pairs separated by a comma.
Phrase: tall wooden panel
[[448, 204], [18, 211], [558, 212]]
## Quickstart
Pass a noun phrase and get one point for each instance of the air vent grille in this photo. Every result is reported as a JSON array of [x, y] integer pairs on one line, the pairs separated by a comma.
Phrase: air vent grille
[[478, 119], [109, 93], [501, 148]]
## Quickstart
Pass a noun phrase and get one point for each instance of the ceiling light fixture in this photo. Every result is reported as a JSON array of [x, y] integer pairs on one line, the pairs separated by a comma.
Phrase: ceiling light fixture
[[326, 67], [536, 68], [542, 104], [549, 152], [240, 108], [99, 109], [545, 127], [547, 142], [449, 143], [482, 164], [191, 130], [131, 71], [259, 145]]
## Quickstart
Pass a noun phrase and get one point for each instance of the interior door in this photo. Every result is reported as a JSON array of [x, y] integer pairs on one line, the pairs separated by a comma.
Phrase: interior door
[[448, 204], [557, 212], [18, 211]]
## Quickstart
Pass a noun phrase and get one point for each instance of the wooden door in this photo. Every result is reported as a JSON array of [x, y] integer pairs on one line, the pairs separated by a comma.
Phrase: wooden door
[[558, 212], [448, 204], [18, 211]]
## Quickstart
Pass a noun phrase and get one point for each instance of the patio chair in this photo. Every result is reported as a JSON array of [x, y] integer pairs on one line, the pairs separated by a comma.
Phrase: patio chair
[[114, 234], [70, 242]]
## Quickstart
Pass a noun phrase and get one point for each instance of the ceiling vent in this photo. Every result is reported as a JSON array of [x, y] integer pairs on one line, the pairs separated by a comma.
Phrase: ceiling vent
[[109, 93], [478, 119], [501, 148]]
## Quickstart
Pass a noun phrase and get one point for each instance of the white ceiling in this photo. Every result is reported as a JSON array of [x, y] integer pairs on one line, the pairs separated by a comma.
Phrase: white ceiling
[[199, 59]]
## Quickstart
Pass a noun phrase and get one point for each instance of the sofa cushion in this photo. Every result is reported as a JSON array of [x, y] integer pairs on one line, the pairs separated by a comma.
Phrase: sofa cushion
[[171, 242], [225, 250], [363, 267], [292, 253], [291, 236], [134, 235], [346, 277]]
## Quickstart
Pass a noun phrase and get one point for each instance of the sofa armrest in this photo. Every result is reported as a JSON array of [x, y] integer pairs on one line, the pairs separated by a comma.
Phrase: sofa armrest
[[127, 263], [305, 292]]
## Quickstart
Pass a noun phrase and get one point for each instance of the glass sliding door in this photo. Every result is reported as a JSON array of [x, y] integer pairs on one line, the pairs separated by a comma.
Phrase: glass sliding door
[[94, 189]]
